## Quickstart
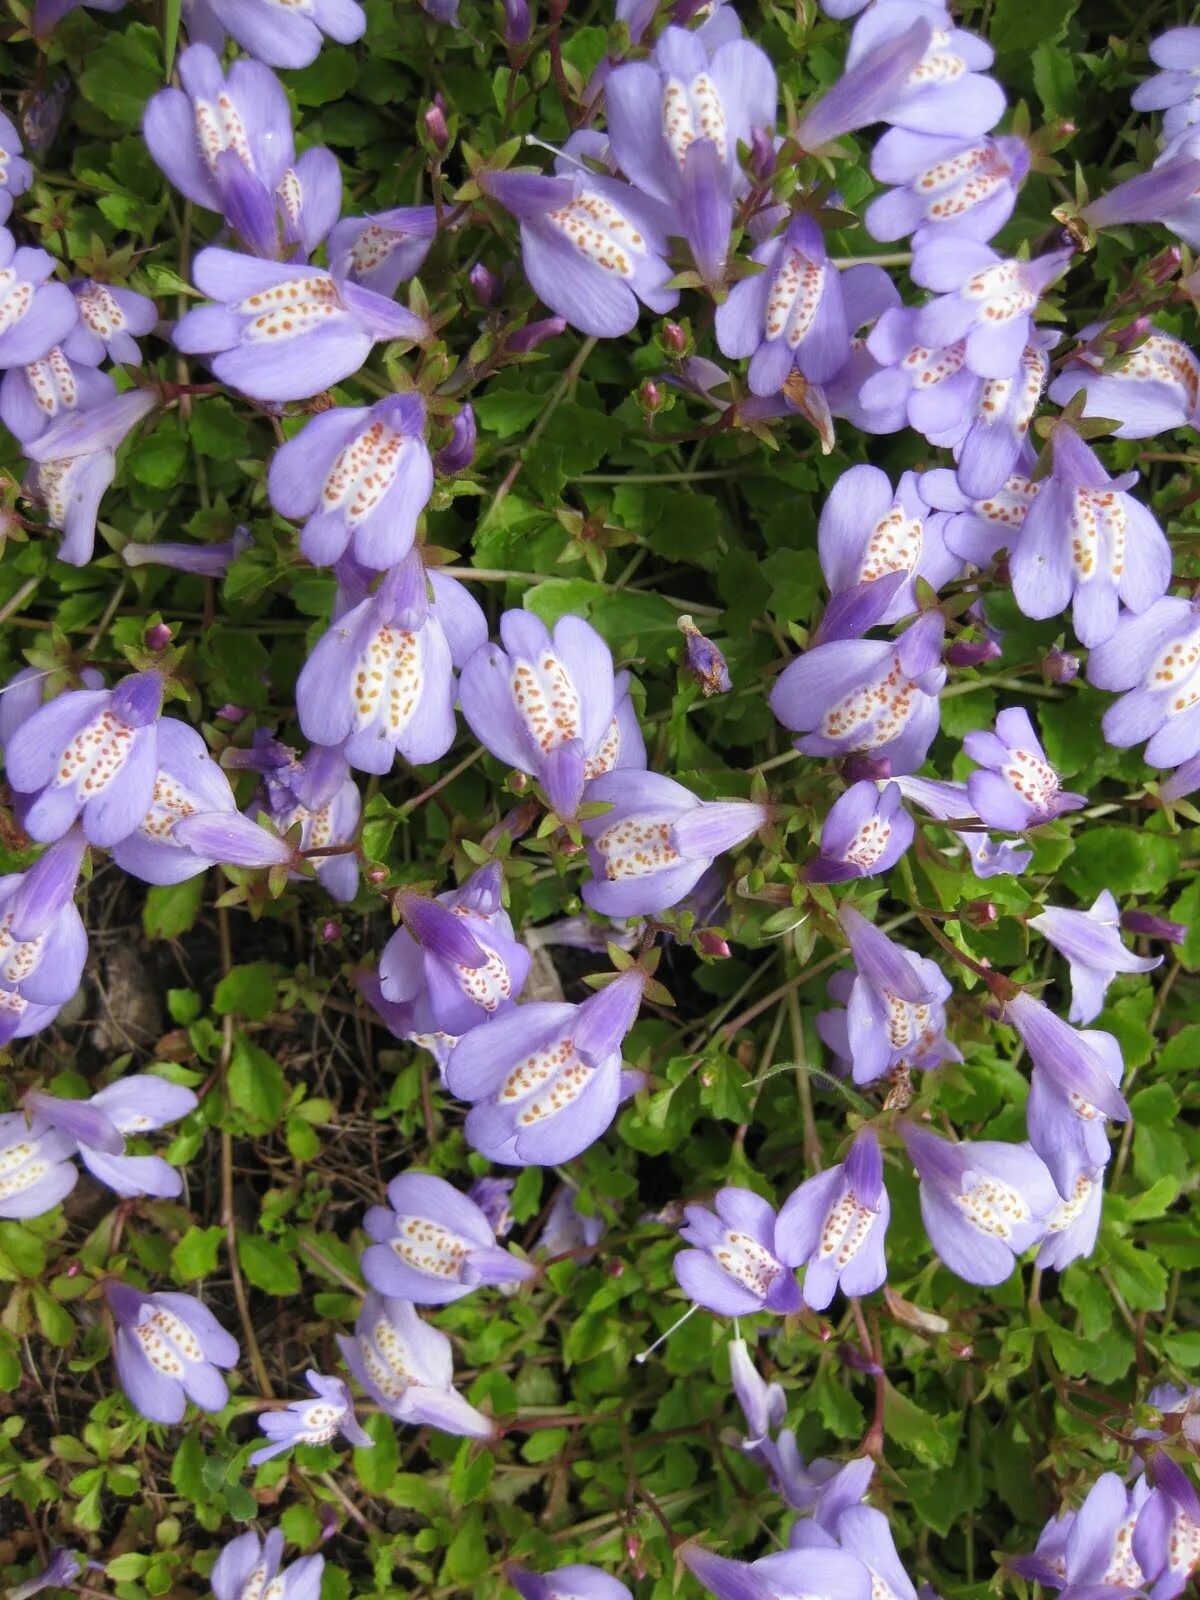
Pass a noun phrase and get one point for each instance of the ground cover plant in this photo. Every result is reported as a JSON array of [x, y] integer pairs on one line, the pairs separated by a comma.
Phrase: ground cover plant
[[601, 725]]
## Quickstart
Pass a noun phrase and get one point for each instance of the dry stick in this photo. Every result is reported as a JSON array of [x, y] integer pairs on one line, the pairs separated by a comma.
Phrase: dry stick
[[812, 1140], [227, 1221], [18, 600]]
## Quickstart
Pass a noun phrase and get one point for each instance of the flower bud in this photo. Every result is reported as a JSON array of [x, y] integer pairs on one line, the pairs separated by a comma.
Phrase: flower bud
[[330, 931], [487, 286], [980, 913], [762, 154], [1154, 927], [535, 333], [435, 125], [704, 661], [157, 637], [674, 338], [857, 767], [457, 455], [1060, 667], [971, 652], [231, 713], [711, 944], [377, 875], [650, 397], [517, 23]]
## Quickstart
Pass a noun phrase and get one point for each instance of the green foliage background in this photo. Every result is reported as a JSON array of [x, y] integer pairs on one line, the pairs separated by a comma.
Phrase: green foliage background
[[578, 501]]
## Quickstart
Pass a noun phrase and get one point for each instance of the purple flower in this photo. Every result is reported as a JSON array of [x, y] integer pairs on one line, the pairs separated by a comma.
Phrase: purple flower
[[98, 1128], [995, 442], [865, 833], [549, 705], [34, 315], [1166, 1539], [834, 1225], [35, 396], [544, 1080], [822, 1490], [1072, 1226], [357, 477], [231, 840], [1174, 89], [895, 1006], [656, 841], [432, 1245], [385, 250], [978, 529], [566, 1583], [457, 954], [282, 331], [1091, 942], [43, 944], [982, 299], [248, 1568], [790, 316], [406, 1019], [946, 88], [207, 560], [592, 247], [705, 663], [63, 1571], [867, 531], [16, 174], [1155, 659], [823, 1574], [1182, 1405], [983, 1203], [91, 754], [41, 116], [1087, 544], [457, 454], [568, 1230], [1168, 194], [36, 1171], [675, 123], [1150, 389], [75, 462], [1154, 927], [492, 1196], [48, 14], [878, 79], [944, 185], [927, 388], [1016, 787], [864, 1532], [949, 803], [188, 782], [867, 696], [312, 1421], [284, 34], [1094, 1553], [764, 1405], [1074, 1086], [381, 680], [736, 1266], [407, 1367], [108, 320], [315, 793], [168, 1348]]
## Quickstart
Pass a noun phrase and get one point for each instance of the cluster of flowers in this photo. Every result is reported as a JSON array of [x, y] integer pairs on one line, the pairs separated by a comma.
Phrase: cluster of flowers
[[691, 150]]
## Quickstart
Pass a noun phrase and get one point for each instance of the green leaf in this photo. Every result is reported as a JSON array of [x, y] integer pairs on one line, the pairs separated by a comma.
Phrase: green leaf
[[217, 431], [377, 1467], [1125, 860], [122, 73], [195, 1256], [267, 1265], [1018, 25], [247, 991], [157, 459], [328, 79], [55, 1321], [931, 1440], [256, 1083], [172, 909]]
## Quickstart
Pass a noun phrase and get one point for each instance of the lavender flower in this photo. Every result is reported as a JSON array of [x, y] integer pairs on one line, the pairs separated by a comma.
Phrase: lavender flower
[[232, 840], [286, 35], [108, 320], [946, 88], [978, 528], [950, 803], [591, 247], [457, 454], [675, 123], [21, 1018], [736, 1267], [1180, 1410], [1166, 1538], [34, 315], [16, 174], [995, 442], [406, 1019], [1091, 942], [458, 953], [867, 696], [764, 1405], [62, 1571], [865, 833], [864, 1532], [492, 1196], [705, 662], [548, 704], [381, 681], [36, 1172], [924, 387], [385, 250], [822, 1490], [867, 531], [834, 1225], [1168, 194], [567, 1229], [48, 14], [944, 185], [1086, 543], [790, 316], [983, 1203], [656, 840], [1155, 659], [575, 1582], [91, 754], [1094, 1551], [1150, 388], [98, 1127], [315, 793], [1075, 1085], [1072, 1226], [206, 560], [895, 1006], [75, 462], [983, 300], [1016, 787], [357, 477], [248, 1568], [312, 1421], [544, 1080], [407, 1367], [874, 83], [168, 1349], [822, 1573], [188, 782], [43, 944], [35, 396], [432, 1245], [282, 331]]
